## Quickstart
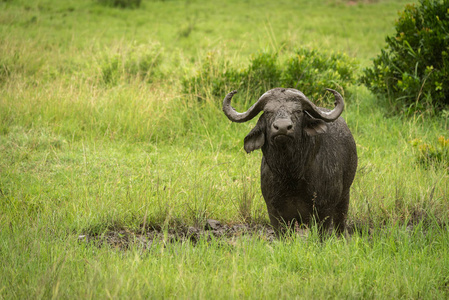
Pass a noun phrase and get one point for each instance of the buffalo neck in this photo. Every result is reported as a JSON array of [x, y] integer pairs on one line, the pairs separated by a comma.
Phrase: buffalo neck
[[289, 160]]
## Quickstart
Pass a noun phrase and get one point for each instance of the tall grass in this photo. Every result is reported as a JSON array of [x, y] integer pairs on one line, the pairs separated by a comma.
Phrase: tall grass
[[397, 264]]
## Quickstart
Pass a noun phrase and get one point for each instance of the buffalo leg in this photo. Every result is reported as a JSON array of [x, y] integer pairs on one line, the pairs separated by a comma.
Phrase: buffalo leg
[[324, 222], [341, 212]]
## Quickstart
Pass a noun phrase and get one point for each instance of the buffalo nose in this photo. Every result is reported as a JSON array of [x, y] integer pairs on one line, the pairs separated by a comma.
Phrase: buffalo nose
[[282, 126]]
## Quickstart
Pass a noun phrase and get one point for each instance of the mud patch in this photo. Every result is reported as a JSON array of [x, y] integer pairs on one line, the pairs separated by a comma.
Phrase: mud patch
[[124, 238]]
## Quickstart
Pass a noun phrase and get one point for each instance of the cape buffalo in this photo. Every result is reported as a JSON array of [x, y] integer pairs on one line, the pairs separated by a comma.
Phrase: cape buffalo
[[309, 157]]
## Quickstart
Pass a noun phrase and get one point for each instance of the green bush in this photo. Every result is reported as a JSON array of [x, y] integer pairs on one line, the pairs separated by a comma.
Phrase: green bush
[[310, 71], [413, 70]]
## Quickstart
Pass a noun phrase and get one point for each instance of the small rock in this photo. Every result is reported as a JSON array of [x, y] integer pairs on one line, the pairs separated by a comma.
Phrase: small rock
[[212, 225], [193, 232], [83, 238]]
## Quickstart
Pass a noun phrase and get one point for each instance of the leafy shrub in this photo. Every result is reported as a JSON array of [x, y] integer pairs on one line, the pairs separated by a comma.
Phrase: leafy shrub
[[429, 154], [137, 61], [413, 70], [262, 74], [310, 71], [121, 3]]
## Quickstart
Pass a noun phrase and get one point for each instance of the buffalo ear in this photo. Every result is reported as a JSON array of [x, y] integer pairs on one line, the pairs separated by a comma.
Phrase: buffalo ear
[[255, 138], [314, 126]]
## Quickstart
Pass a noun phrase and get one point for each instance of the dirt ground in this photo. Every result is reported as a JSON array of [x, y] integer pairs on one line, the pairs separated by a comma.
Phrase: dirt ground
[[123, 238]]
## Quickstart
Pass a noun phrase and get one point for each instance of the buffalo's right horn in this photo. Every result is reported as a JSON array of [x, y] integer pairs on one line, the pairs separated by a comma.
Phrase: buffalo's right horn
[[235, 116]]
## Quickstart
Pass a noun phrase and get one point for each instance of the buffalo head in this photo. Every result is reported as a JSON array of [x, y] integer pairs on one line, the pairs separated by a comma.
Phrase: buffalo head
[[288, 114]]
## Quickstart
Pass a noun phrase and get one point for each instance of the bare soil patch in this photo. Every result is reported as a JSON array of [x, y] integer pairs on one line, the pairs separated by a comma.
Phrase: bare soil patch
[[124, 238]]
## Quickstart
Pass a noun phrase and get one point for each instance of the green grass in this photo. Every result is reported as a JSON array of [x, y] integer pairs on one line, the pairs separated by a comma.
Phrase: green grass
[[96, 135], [396, 264]]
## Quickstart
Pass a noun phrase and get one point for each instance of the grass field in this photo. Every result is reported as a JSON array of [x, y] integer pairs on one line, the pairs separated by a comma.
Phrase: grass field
[[91, 145]]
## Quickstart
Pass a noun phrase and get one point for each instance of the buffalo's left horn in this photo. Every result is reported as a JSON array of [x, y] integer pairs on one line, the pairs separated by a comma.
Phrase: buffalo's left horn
[[330, 116], [235, 116]]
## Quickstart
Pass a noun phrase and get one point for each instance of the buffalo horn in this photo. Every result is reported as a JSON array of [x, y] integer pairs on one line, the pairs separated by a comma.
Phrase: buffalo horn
[[235, 116], [317, 113]]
